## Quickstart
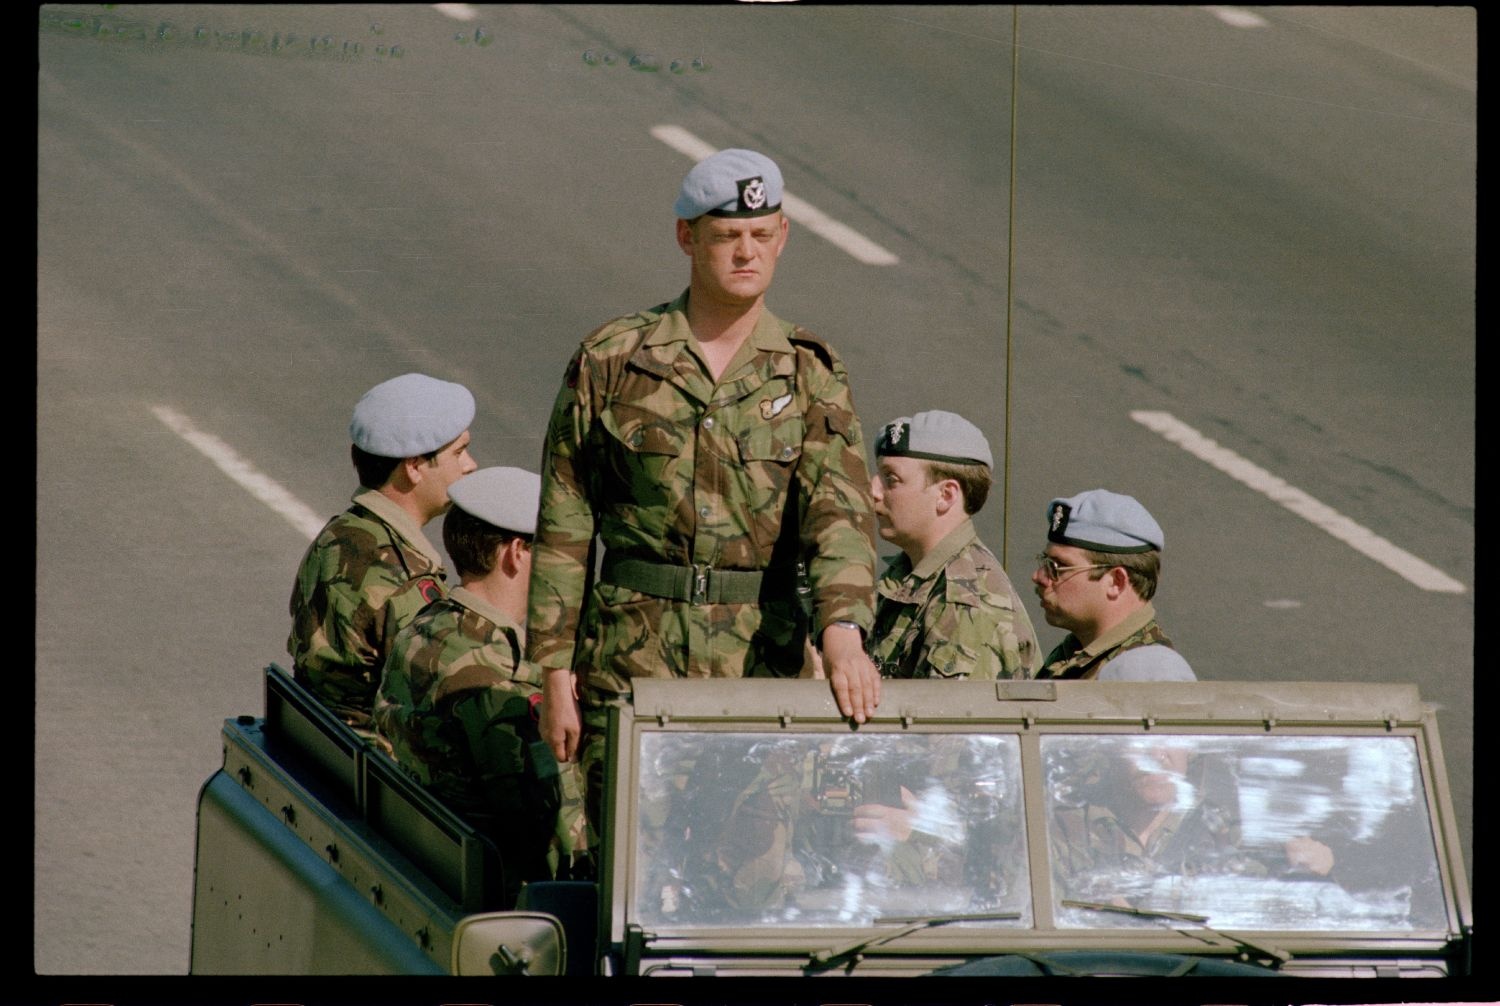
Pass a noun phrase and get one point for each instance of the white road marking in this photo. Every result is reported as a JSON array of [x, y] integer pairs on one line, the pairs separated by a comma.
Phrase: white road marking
[[683, 142], [840, 235], [1300, 503], [261, 486], [457, 11], [1237, 17]]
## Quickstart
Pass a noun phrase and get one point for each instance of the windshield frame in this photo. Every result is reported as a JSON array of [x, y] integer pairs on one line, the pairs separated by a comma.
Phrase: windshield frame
[[1028, 711]]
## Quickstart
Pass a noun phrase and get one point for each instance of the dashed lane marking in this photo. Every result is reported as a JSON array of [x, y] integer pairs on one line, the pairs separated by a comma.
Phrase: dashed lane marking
[[261, 486], [1359, 538], [840, 235]]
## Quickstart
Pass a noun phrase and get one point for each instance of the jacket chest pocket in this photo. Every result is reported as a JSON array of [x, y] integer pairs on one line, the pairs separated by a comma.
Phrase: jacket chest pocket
[[769, 456], [642, 455]]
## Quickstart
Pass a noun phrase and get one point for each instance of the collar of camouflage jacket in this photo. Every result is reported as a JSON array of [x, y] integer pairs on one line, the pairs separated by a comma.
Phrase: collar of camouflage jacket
[[1121, 631], [399, 521]]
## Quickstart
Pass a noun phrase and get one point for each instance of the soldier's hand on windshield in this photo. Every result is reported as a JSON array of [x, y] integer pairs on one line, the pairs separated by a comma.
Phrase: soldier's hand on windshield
[[851, 674], [875, 822], [560, 723], [1309, 854]]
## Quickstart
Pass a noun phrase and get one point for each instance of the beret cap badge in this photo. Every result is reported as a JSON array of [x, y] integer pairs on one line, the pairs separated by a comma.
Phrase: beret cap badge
[[730, 183], [1103, 521], [935, 435], [752, 193], [894, 436]]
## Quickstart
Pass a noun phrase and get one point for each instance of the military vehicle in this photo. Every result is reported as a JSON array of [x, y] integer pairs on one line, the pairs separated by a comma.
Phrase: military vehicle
[[1002, 828]]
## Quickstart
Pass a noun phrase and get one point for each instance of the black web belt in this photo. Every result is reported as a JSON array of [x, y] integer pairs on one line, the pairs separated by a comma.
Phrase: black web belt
[[700, 584]]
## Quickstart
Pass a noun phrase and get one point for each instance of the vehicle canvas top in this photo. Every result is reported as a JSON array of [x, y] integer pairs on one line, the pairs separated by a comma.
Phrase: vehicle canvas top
[[1292, 828]]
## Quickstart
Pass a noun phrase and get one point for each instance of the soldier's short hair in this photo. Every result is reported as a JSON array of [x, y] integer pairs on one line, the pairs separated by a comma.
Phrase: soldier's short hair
[[374, 470], [1143, 568], [973, 479], [471, 542]]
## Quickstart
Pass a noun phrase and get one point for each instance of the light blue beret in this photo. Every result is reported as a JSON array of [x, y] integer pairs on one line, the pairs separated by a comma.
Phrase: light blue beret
[[505, 497], [410, 415], [1103, 521], [935, 436], [731, 183]]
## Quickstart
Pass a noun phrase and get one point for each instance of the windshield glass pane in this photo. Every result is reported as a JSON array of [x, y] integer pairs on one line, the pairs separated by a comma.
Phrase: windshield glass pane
[[747, 828], [1286, 833]]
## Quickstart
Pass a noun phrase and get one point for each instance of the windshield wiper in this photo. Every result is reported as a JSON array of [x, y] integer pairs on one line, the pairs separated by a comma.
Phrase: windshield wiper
[[1201, 920], [909, 924]]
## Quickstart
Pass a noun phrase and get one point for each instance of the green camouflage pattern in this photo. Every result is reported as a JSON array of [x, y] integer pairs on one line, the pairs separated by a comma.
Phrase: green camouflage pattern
[[1095, 855], [763, 469], [365, 575], [1069, 660], [729, 823], [955, 616], [458, 706], [591, 760], [981, 847], [755, 826], [1098, 856]]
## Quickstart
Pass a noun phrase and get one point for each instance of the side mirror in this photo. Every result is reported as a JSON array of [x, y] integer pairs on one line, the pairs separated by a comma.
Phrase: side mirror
[[509, 943]]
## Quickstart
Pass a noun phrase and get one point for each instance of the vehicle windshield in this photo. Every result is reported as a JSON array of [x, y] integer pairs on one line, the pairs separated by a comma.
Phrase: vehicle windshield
[[1285, 833], [1251, 832], [738, 829]]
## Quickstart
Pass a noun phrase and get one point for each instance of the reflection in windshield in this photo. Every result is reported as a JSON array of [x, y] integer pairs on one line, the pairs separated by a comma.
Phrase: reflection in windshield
[[1287, 833], [743, 828]]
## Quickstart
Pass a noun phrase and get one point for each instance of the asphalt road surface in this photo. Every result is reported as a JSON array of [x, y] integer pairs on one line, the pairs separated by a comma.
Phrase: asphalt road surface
[[1230, 270]]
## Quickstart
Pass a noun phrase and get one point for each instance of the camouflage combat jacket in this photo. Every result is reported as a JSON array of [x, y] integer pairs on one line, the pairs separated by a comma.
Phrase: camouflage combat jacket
[[1096, 857], [1070, 659], [458, 704], [366, 574], [757, 472], [956, 615]]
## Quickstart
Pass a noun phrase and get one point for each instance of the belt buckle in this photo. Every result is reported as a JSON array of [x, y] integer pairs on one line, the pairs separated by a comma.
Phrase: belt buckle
[[700, 583]]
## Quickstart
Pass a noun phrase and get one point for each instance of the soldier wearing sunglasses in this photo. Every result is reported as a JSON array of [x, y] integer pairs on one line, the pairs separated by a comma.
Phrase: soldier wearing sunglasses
[[1096, 580]]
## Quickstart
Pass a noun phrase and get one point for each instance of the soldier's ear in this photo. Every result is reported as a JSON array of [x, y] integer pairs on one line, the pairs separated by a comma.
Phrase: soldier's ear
[[407, 473], [511, 554], [685, 236], [1119, 580], [949, 495]]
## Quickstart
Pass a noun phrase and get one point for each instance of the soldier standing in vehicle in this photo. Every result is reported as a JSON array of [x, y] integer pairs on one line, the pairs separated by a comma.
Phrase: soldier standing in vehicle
[[711, 447], [946, 609], [458, 701], [1112, 630], [370, 570]]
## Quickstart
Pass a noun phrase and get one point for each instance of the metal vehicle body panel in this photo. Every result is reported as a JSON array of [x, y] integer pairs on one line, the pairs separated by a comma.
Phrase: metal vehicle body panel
[[315, 855], [731, 842]]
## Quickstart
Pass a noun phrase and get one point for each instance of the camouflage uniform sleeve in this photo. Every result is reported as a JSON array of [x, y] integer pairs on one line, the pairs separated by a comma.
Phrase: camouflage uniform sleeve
[[838, 517], [364, 617], [402, 604], [754, 849], [1029, 650], [403, 712], [458, 705], [515, 774], [565, 524], [347, 607]]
